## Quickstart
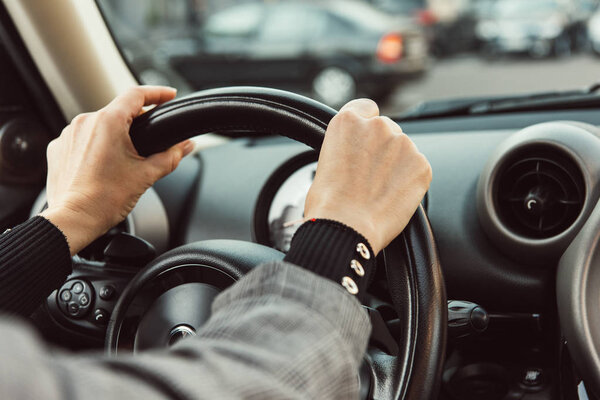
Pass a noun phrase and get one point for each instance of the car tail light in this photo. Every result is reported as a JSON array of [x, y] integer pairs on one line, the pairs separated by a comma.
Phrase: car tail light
[[426, 17], [390, 48]]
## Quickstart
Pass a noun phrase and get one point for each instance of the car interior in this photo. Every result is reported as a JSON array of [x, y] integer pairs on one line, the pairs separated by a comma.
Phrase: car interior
[[492, 290]]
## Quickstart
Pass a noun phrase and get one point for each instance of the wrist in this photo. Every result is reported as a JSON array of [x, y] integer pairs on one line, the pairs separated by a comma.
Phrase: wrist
[[357, 221], [334, 251], [79, 229]]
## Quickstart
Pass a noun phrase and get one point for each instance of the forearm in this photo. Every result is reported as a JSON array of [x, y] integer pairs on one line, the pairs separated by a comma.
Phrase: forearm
[[34, 260], [281, 332]]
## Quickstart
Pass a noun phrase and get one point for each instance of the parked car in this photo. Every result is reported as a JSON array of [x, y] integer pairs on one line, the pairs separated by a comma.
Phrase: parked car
[[331, 52], [446, 36], [593, 32], [583, 10], [539, 28]]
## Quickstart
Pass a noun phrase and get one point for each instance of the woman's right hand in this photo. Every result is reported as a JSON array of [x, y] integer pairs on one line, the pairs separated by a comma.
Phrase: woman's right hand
[[370, 175]]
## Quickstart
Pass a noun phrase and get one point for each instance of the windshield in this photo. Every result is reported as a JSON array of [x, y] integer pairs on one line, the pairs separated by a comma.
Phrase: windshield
[[397, 52]]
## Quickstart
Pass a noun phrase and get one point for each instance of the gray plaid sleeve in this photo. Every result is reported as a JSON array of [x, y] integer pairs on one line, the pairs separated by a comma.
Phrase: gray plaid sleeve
[[281, 332]]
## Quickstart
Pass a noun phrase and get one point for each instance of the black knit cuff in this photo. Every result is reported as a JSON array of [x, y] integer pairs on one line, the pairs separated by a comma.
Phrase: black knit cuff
[[334, 251], [34, 260]]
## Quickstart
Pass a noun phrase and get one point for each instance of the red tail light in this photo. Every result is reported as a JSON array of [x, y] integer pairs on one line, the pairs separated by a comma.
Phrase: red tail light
[[426, 17], [390, 48]]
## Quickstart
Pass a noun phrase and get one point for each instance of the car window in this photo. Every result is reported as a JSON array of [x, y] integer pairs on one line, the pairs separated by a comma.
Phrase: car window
[[240, 21], [519, 8], [406, 6], [363, 14], [338, 26], [400, 53], [289, 23]]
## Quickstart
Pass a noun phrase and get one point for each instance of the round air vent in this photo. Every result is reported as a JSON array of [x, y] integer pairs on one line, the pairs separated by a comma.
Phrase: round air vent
[[539, 192], [538, 188]]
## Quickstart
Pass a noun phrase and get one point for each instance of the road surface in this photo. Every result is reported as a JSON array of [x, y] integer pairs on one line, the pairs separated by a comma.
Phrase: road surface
[[466, 76]]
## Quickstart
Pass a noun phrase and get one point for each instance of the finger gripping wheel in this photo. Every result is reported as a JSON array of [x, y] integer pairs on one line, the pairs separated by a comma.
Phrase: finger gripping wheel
[[411, 260]]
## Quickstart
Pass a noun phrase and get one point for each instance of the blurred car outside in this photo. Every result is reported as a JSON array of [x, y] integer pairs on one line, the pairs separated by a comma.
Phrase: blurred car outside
[[333, 50], [583, 10], [539, 28], [593, 32], [449, 25]]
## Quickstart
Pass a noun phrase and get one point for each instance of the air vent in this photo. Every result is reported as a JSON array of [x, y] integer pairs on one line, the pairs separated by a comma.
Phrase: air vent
[[540, 192]]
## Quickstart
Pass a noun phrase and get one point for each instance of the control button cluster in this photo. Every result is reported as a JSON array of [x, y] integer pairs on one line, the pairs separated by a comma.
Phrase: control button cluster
[[75, 298], [86, 301]]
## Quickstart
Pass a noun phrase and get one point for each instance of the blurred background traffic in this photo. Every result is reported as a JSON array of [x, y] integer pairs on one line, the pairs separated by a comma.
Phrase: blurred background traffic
[[399, 52]]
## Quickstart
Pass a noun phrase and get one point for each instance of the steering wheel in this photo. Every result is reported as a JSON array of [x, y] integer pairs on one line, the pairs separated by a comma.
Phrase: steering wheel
[[578, 295], [171, 297]]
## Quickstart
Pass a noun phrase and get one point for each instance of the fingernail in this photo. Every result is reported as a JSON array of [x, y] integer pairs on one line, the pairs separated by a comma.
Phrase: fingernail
[[188, 147]]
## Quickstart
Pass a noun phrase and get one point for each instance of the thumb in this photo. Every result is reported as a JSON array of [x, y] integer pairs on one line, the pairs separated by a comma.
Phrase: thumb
[[366, 108], [165, 162]]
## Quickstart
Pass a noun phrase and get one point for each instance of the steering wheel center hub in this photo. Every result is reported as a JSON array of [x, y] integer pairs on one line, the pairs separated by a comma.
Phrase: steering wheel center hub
[[181, 331]]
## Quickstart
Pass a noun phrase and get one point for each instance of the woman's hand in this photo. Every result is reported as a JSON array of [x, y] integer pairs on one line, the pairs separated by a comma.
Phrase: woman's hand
[[95, 175], [370, 175]]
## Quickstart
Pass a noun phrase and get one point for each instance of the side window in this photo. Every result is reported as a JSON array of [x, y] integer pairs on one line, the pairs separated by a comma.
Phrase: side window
[[240, 21], [292, 24], [338, 27]]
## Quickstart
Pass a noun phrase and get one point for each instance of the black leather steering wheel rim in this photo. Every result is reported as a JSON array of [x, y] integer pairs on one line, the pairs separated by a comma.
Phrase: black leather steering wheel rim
[[256, 110], [412, 263]]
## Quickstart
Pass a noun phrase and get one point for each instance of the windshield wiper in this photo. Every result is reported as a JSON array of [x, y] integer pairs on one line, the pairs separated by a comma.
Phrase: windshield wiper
[[570, 99]]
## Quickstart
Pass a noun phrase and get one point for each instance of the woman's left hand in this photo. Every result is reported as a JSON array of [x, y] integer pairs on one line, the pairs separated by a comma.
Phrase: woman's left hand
[[95, 175]]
